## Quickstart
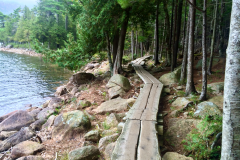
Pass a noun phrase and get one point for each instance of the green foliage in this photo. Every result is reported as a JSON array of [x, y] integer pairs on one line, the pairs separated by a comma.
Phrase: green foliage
[[181, 93], [171, 100], [210, 90], [199, 140], [106, 126]]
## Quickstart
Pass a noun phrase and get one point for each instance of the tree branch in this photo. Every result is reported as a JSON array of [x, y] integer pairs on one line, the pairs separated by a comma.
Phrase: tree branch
[[195, 7]]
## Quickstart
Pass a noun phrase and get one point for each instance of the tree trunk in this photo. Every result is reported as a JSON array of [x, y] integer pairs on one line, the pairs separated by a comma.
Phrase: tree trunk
[[168, 32], [231, 108], [174, 32], [185, 52], [115, 44], [190, 88], [184, 27], [221, 52], [136, 45], [203, 95], [132, 44], [156, 61], [118, 62], [109, 54], [162, 40], [142, 46], [213, 38], [178, 29]]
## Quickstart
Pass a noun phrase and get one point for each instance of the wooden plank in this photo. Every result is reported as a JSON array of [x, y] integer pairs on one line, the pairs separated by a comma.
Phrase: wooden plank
[[139, 102], [144, 99], [151, 77], [138, 70], [148, 148], [150, 113], [127, 142]]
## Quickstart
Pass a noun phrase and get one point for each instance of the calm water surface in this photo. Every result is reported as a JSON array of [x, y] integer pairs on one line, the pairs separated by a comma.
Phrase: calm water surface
[[27, 80]]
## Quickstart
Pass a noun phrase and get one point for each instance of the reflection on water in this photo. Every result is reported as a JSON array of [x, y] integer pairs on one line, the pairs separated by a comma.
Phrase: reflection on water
[[27, 80]]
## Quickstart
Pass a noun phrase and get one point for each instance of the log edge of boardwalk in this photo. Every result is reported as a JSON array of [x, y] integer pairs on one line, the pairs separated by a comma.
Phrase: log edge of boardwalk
[[139, 139]]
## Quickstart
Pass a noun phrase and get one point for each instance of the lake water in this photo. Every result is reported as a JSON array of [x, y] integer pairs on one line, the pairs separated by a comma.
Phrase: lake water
[[27, 80]]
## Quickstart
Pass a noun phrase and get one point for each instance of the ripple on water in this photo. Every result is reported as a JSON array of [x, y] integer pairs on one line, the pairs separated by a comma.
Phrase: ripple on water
[[27, 80]]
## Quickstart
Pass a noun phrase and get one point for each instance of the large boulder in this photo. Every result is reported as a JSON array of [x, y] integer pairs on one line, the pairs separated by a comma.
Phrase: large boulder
[[16, 121], [2, 118], [70, 123], [61, 91], [115, 105], [9, 46], [111, 120], [54, 102], [178, 130], [181, 103], [43, 114], [216, 87], [5, 134], [218, 100], [31, 158], [117, 86], [92, 136], [37, 125], [24, 134], [108, 150], [49, 122], [207, 108], [175, 156], [172, 77], [103, 142], [84, 153], [26, 148], [81, 78]]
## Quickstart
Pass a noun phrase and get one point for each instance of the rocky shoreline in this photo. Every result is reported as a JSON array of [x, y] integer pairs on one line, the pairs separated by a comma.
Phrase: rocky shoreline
[[87, 115], [20, 51], [70, 124]]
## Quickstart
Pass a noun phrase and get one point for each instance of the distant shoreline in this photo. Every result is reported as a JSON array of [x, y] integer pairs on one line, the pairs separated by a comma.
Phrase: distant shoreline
[[21, 51]]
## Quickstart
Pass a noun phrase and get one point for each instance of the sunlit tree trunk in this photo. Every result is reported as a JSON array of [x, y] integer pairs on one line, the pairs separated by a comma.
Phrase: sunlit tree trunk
[[190, 88], [231, 108], [203, 95], [185, 53]]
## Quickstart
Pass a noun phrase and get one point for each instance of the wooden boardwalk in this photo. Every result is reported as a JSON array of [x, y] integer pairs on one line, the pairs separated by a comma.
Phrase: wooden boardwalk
[[139, 140]]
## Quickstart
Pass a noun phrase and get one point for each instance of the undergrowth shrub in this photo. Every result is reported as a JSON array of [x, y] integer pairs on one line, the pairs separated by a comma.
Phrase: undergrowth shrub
[[198, 142]]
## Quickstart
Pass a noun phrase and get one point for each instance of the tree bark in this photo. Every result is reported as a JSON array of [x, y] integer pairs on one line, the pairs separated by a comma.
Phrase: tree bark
[[167, 32], [203, 95], [185, 52], [231, 108], [213, 38], [156, 61], [221, 52], [115, 44], [190, 88], [118, 62], [142, 46], [109, 54], [136, 45], [174, 32], [132, 44], [178, 29]]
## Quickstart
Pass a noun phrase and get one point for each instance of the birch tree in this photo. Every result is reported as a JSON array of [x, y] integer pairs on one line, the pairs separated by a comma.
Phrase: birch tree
[[190, 88], [231, 109]]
